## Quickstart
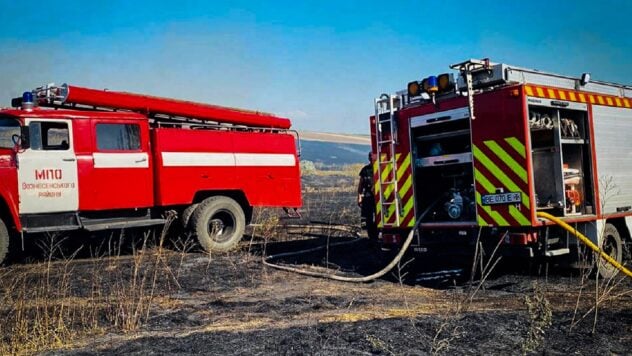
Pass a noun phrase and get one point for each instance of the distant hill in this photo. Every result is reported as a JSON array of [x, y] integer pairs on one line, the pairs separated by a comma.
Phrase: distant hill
[[334, 149]]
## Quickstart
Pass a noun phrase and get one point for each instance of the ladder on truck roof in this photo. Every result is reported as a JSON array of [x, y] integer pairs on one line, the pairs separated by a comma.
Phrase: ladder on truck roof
[[64, 95], [386, 137]]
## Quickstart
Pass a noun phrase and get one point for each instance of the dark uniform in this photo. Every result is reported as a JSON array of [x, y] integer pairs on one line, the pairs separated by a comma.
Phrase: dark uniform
[[366, 200]]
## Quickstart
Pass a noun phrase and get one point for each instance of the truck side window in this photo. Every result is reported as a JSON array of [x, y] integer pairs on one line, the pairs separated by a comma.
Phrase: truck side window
[[118, 137], [49, 136], [8, 128]]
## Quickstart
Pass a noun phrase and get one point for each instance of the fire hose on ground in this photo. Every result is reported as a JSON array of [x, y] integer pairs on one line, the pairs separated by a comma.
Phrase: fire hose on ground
[[586, 241], [363, 279], [407, 243]]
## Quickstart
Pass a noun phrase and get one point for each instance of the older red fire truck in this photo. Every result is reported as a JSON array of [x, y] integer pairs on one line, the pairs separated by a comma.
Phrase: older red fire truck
[[485, 154], [78, 158]]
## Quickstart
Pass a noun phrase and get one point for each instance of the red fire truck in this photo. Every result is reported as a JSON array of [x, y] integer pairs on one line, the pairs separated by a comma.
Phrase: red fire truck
[[77, 158], [482, 155]]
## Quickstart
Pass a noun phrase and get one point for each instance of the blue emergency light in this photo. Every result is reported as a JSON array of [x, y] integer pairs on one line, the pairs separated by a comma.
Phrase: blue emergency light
[[27, 97], [432, 84], [27, 101]]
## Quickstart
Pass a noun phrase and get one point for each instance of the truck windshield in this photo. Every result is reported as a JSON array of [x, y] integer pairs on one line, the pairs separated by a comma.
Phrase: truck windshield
[[8, 128]]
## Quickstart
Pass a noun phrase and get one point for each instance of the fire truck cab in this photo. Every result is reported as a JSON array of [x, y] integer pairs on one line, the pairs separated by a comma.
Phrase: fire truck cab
[[74, 158], [477, 154]]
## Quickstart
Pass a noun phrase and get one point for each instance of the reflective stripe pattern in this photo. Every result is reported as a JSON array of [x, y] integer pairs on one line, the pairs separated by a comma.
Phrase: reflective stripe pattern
[[500, 165], [580, 97], [404, 196]]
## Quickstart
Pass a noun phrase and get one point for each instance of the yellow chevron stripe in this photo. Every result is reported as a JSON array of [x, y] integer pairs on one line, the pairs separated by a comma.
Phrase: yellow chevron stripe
[[582, 97], [561, 94], [408, 183], [489, 187], [376, 192], [386, 171], [390, 187], [498, 173], [403, 189], [551, 93], [391, 211], [517, 145], [406, 186], [498, 219], [517, 214], [506, 158], [409, 205], [375, 186], [484, 182], [481, 221], [403, 167], [577, 97]]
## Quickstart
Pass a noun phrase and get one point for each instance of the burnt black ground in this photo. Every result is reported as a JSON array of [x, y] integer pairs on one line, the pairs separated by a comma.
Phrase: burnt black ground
[[477, 334], [232, 305]]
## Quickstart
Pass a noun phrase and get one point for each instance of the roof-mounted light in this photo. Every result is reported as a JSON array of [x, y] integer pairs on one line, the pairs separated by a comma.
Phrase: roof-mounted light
[[431, 84], [445, 82], [414, 89], [27, 101]]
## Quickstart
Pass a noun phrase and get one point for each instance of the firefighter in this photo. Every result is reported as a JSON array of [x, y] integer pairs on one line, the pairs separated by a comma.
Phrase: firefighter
[[366, 200]]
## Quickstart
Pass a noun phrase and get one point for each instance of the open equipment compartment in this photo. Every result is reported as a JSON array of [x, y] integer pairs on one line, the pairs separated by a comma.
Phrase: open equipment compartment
[[443, 171], [562, 165]]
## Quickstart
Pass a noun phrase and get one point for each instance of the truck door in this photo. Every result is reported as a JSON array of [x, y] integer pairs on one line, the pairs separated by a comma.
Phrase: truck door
[[120, 176], [47, 170]]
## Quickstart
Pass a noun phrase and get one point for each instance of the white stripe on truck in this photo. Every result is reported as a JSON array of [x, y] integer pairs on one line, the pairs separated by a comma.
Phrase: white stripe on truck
[[120, 160], [202, 159]]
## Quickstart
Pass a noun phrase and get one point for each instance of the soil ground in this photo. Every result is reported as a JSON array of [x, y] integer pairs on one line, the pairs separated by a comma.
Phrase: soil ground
[[232, 304]]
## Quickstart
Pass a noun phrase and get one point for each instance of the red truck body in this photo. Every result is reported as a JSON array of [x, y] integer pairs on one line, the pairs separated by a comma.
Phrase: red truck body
[[482, 157], [75, 163]]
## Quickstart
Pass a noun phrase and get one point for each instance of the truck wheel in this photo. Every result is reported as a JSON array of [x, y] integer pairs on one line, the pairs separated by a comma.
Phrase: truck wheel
[[4, 241], [186, 215], [219, 223], [613, 246]]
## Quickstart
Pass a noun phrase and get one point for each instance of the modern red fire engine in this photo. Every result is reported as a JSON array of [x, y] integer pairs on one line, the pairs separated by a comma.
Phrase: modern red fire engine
[[77, 158], [485, 155]]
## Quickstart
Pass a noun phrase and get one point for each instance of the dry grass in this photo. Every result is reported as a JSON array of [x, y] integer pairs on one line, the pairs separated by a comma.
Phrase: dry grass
[[51, 304], [346, 170]]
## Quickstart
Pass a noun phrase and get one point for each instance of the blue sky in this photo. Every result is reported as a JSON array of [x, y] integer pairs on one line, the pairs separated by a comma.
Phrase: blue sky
[[320, 63]]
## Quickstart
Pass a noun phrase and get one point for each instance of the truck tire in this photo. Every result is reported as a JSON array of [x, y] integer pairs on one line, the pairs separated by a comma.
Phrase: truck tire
[[185, 218], [219, 223], [4, 241], [613, 246]]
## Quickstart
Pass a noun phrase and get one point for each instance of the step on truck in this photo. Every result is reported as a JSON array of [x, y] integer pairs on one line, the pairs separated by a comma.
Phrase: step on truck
[[482, 151], [74, 158]]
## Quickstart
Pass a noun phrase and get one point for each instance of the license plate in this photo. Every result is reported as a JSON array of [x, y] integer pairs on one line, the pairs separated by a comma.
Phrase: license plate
[[502, 198]]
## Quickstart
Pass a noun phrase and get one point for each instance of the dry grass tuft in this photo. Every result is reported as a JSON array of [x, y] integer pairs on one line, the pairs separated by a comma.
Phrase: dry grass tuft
[[52, 304]]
